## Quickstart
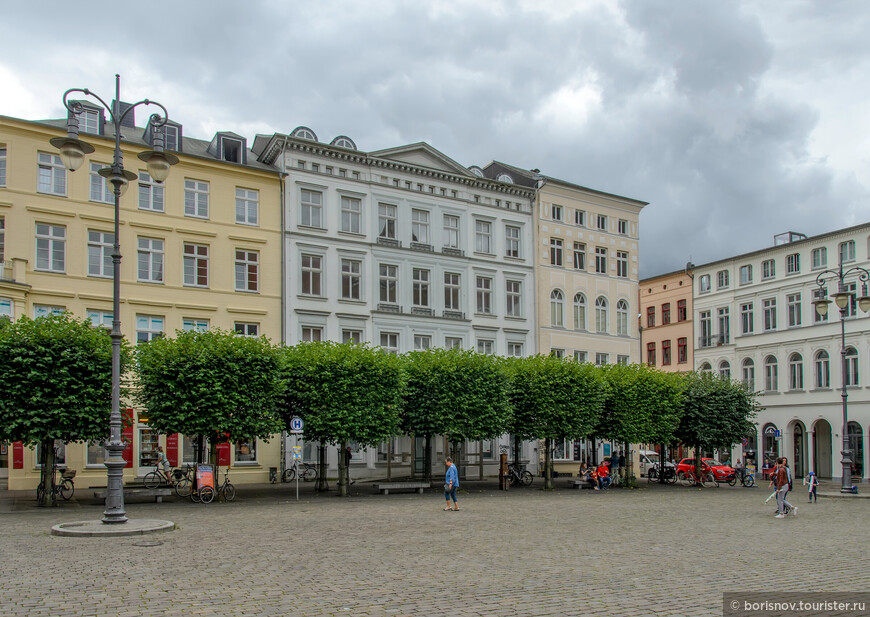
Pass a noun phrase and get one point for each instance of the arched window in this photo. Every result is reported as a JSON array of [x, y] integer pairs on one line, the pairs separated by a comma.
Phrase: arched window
[[851, 366], [557, 309], [770, 443], [749, 374], [303, 132], [725, 369], [601, 314], [856, 445], [622, 318], [705, 368], [505, 178], [343, 141], [795, 372], [771, 374], [823, 369], [579, 312]]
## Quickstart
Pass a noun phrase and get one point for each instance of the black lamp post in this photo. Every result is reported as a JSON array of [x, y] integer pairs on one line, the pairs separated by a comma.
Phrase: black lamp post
[[842, 299], [72, 153]]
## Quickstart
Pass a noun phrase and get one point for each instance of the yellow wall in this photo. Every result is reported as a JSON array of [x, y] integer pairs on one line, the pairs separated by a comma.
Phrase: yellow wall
[[655, 292]]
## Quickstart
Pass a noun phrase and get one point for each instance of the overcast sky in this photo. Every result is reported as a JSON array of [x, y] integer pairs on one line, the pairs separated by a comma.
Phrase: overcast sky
[[734, 120]]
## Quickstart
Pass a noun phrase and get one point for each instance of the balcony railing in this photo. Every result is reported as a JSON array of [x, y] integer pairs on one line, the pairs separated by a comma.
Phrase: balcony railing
[[712, 340], [422, 310], [389, 308], [389, 242], [448, 314]]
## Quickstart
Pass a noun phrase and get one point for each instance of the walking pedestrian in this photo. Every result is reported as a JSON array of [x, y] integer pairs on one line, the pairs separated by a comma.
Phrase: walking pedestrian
[[813, 482], [738, 469], [162, 461], [451, 483], [790, 509]]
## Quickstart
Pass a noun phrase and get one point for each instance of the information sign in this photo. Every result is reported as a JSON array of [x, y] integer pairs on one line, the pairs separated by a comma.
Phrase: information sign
[[296, 425], [204, 476]]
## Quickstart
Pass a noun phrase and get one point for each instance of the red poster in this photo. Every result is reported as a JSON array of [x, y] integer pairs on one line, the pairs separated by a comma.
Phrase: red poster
[[172, 449], [223, 454], [127, 435], [17, 455], [204, 476]]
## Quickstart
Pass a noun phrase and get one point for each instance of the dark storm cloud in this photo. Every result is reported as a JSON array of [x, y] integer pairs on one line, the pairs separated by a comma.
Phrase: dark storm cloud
[[685, 105]]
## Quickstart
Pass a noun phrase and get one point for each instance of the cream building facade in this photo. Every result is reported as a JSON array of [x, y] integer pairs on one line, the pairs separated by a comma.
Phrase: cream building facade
[[202, 250]]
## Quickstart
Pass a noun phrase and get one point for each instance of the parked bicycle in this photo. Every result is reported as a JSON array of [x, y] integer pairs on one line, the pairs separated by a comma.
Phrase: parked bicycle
[[748, 479], [65, 489], [519, 476], [180, 479], [307, 472], [225, 489], [707, 479], [652, 474]]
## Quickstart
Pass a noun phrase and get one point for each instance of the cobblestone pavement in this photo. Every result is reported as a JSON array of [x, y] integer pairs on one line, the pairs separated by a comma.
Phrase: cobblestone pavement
[[666, 550]]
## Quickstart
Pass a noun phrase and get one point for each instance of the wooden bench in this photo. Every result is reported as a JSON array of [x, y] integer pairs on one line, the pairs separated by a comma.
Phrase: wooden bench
[[579, 484], [157, 493], [385, 487]]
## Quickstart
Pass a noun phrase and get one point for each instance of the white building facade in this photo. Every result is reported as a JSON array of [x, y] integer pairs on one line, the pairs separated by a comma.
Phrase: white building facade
[[755, 321], [406, 249]]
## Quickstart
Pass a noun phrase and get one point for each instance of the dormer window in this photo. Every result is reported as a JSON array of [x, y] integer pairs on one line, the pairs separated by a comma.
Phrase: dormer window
[[343, 141], [172, 136], [90, 120], [505, 178], [231, 150], [303, 132]]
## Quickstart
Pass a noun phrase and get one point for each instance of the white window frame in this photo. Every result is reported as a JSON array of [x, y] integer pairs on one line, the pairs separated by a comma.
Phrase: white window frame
[[247, 328], [247, 206], [557, 309], [579, 304], [515, 349], [51, 174], [622, 318], [601, 222], [387, 221], [483, 293], [745, 274], [768, 269], [846, 251], [7, 308], [768, 307], [580, 256], [311, 275], [149, 327], [195, 259], [195, 324], [351, 214], [100, 244], [602, 320], [747, 318], [485, 346], [51, 243], [793, 309], [151, 193], [512, 241], [795, 372], [580, 218], [793, 263], [43, 310], [420, 281], [388, 283], [513, 298], [622, 227], [622, 264], [422, 342], [451, 231], [419, 226], [100, 190], [351, 279], [247, 270], [601, 259], [556, 256], [311, 334], [483, 237], [819, 258], [453, 342], [3, 165], [311, 208], [351, 335], [149, 259], [723, 279], [196, 198], [389, 342], [822, 365], [452, 291], [100, 319], [556, 212]]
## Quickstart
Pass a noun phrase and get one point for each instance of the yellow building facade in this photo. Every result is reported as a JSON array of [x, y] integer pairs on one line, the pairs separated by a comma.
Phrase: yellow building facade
[[666, 322], [202, 250]]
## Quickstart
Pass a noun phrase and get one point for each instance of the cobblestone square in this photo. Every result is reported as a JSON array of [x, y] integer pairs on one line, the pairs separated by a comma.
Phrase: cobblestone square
[[666, 550]]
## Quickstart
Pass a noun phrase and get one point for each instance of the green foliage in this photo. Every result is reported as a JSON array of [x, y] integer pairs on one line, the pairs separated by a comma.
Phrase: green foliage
[[456, 392], [214, 383], [55, 379], [343, 392], [554, 398], [643, 405], [717, 412]]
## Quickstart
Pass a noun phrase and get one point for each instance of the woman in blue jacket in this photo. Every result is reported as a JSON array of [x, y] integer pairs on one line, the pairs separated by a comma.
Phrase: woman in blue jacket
[[451, 483]]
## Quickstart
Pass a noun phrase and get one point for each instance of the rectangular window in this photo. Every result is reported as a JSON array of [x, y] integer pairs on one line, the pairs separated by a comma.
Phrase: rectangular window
[[555, 252], [622, 227], [420, 289], [196, 198], [483, 237], [100, 319], [388, 283], [148, 328], [581, 356], [170, 138], [484, 294], [601, 222], [847, 251], [89, 121], [515, 350], [651, 354], [722, 279], [100, 245], [351, 279], [2, 165], [557, 353], [557, 213], [513, 299], [247, 206], [245, 451], [247, 270], [724, 315], [42, 310], [351, 336], [351, 214], [198, 325], [706, 327], [793, 306], [768, 269], [666, 313], [793, 263], [420, 226], [50, 248], [245, 328], [390, 342], [311, 334], [747, 318], [422, 342], [311, 208], [387, 221], [622, 359], [101, 191], [622, 264], [2, 240], [682, 314], [580, 218], [96, 453], [601, 358], [682, 350], [453, 342], [451, 291], [650, 316], [579, 256], [312, 272], [511, 241], [600, 260], [52, 175], [769, 313], [451, 231], [150, 193], [820, 258], [485, 346], [195, 265], [704, 284], [746, 274], [150, 263]]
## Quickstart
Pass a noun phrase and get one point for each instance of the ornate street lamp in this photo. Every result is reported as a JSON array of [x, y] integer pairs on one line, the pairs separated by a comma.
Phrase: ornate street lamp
[[72, 153], [842, 299]]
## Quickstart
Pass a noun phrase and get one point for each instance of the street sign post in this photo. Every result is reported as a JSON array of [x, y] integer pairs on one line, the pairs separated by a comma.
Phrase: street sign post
[[296, 425]]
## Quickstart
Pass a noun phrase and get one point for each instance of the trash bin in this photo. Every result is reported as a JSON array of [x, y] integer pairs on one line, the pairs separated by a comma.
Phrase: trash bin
[[273, 474]]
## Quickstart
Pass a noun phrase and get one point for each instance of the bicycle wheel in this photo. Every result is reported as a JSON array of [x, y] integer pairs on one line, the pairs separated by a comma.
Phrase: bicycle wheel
[[229, 491], [309, 473], [194, 495], [732, 481], [749, 481], [289, 474], [671, 477], [67, 488], [152, 479], [652, 475], [527, 478], [182, 487], [687, 479], [708, 480], [206, 494]]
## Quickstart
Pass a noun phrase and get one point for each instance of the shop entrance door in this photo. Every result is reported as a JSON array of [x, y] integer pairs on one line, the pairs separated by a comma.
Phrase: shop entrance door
[[147, 450]]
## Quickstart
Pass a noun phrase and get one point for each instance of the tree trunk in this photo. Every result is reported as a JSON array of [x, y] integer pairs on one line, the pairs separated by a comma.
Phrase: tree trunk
[[698, 463], [47, 476], [427, 460], [322, 484], [517, 443], [548, 466], [390, 460], [662, 465], [342, 469]]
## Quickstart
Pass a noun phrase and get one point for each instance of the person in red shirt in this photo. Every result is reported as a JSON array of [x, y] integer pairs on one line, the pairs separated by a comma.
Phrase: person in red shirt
[[603, 473]]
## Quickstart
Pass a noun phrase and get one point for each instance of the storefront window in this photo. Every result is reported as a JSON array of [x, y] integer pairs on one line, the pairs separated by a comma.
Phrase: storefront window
[[60, 447], [96, 452], [246, 451], [771, 445], [856, 445], [188, 450]]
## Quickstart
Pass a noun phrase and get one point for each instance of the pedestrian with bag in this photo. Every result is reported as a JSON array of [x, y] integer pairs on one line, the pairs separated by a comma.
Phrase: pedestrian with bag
[[451, 483], [813, 482]]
